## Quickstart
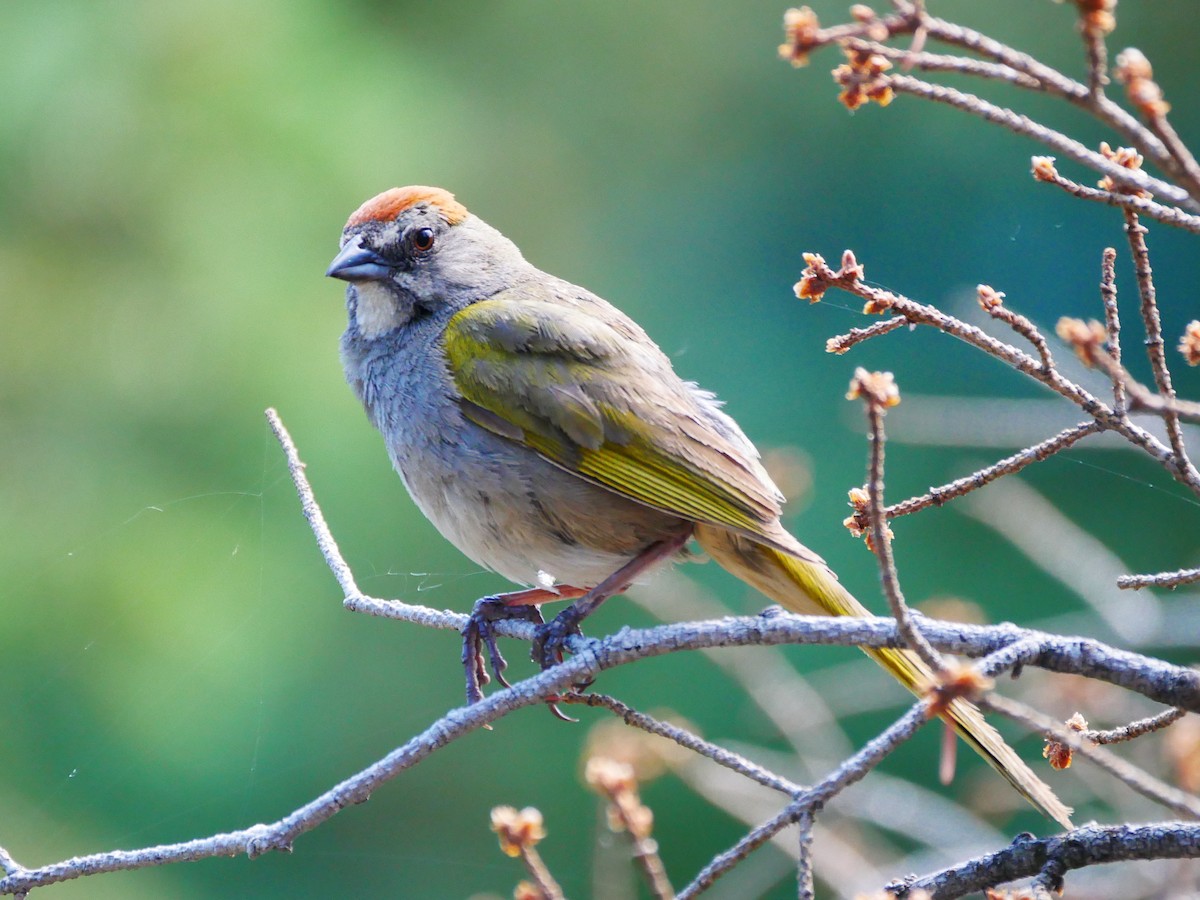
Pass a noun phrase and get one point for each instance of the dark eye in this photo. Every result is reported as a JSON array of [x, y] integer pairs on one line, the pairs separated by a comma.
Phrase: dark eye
[[422, 239]]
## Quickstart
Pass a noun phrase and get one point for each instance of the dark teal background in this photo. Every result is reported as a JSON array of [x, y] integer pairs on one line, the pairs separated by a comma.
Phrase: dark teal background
[[173, 180]]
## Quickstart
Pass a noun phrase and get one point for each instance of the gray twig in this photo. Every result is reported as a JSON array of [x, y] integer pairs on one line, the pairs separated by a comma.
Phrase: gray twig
[[1086, 846], [1159, 579]]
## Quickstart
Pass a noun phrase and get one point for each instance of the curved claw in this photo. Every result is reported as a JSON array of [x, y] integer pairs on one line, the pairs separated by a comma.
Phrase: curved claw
[[552, 703], [478, 634], [550, 638]]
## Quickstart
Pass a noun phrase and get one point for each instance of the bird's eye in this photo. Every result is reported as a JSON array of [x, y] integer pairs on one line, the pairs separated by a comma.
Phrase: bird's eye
[[422, 239]]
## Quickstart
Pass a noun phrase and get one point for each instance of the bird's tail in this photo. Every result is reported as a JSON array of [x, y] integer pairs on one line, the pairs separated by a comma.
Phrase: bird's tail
[[811, 588]]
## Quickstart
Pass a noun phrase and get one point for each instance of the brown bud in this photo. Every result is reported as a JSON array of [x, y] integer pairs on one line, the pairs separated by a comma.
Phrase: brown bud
[[877, 388], [517, 829], [1133, 70], [1189, 344], [989, 297], [1043, 168], [1086, 338], [803, 32]]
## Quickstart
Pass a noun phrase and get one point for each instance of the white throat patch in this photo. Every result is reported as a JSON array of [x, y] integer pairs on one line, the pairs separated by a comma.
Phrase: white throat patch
[[377, 311]]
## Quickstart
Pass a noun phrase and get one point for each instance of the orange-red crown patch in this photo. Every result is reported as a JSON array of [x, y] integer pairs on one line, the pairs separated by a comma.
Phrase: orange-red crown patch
[[391, 203]]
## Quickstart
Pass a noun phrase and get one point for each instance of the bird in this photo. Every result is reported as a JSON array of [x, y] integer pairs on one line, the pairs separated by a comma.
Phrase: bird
[[548, 437]]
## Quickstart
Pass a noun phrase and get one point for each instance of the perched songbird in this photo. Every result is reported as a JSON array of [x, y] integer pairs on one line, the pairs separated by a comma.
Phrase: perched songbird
[[548, 438]]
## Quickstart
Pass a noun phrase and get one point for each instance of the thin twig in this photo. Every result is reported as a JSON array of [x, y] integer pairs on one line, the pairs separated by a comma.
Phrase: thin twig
[[1112, 321], [1134, 729], [1139, 397], [1136, 232], [992, 302], [804, 863], [878, 392], [1159, 579], [616, 783], [1168, 215], [308, 505], [843, 342], [687, 739], [1085, 846], [938, 496], [1056, 83], [1097, 60], [939, 62], [1127, 773], [519, 832], [1021, 124], [818, 277], [1178, 150], [1012, 66], [852, 770]]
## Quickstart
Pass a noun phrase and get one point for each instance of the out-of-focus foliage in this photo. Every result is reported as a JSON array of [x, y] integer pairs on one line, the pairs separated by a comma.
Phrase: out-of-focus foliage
[[173, 178]]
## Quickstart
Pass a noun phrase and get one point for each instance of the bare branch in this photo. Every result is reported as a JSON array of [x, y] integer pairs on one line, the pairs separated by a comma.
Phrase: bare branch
[[1112, 321], [1021, 124], [938, 496], [1155, 347], [1086, 846], [1169, 215], [992, 302], [819, 277], [1135, 729], [1159, 579], [1127, 773], [878, 391], [519, 832], [844, 342], [852, 770], [308, 505], [804, 864], [1135, 72], [687, 739]]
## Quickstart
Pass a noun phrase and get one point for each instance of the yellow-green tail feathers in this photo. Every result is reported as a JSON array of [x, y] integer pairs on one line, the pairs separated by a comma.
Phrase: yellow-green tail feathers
[[811, 588]]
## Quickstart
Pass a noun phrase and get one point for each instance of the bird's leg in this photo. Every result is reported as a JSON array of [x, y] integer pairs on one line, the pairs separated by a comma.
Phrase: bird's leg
[[478, 633], [549, 638]]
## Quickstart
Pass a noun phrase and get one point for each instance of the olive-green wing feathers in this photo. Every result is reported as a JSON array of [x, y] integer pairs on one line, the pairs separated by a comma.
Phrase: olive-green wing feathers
[[574, 379]]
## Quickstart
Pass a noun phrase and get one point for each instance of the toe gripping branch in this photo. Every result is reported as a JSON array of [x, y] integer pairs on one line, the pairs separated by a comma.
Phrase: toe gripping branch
[[550, 638]]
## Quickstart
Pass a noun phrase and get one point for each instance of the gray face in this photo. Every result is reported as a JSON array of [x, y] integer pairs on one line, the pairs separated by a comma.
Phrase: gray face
[[419, 263]]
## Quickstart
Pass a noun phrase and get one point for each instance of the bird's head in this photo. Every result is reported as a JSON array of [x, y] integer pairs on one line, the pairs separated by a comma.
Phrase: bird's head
[[416, 250]]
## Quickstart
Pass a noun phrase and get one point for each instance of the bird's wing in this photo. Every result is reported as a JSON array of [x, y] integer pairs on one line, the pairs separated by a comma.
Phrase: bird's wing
[[569, 376]]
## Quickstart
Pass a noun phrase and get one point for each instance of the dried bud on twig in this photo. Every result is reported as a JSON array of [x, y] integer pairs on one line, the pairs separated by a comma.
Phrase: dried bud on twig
[[1096, 16], [1086, 338], [857, 523], [878, 388], [615, 782], [1127, 158], [1133, 70], [803, 35], [1043, 168], [517, 829], [811, 286], [989, 297], [1189, 344], [1059, 754], [877, 29], [862, 79]]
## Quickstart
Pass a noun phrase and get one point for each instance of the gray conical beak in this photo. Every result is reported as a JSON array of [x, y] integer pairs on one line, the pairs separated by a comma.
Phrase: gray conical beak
[[356, 263]]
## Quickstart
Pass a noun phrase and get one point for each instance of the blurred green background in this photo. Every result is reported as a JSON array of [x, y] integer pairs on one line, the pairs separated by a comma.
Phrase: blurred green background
[[173, 180]]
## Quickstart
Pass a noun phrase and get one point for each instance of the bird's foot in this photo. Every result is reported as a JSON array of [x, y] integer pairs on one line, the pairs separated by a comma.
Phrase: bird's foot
[[478, 634], [550, 638], [549, 643]]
